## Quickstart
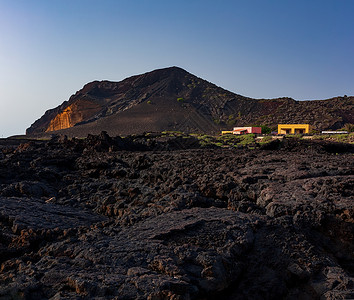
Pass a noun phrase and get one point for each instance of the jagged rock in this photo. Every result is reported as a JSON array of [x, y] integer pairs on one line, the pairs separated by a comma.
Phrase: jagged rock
[[109, 217], [35, 215]]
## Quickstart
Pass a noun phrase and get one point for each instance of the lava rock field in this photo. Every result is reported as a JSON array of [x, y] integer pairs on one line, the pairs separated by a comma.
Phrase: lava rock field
[[164, 218]]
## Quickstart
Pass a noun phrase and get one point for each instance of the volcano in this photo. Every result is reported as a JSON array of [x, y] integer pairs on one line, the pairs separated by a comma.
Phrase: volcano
[[171, 99]]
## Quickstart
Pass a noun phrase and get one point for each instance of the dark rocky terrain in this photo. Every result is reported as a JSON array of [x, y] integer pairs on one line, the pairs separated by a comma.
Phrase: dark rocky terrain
[[173, 99], [156, 217]]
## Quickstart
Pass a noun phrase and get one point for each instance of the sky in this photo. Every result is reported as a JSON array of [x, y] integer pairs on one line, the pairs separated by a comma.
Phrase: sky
[[301, 49]]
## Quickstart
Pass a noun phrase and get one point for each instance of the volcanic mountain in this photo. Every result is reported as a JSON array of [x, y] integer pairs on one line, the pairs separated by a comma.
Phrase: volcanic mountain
[[173, 99]]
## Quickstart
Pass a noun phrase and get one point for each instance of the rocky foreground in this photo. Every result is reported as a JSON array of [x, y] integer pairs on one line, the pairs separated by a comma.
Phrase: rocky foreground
[[164, 218]]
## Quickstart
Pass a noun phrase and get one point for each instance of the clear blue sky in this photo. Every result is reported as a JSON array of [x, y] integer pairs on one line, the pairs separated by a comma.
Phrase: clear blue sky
[[49, 49]]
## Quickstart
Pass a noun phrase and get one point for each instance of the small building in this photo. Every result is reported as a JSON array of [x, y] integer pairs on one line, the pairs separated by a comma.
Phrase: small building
[[334, 132], [293, 128], [243, 130], [226, 132]]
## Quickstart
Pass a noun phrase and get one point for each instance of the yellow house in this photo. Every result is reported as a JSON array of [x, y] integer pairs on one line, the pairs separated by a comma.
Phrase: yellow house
[[226, 132], [293, 128]]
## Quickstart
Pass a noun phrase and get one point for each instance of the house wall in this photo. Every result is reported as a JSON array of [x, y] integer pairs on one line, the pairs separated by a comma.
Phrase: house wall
[[293, 128], [249, 129], [256, 130], [240, 130], [226, 132]]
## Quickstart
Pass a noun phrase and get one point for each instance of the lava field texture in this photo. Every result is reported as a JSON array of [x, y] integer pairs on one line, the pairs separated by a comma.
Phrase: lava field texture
[[165, 218]]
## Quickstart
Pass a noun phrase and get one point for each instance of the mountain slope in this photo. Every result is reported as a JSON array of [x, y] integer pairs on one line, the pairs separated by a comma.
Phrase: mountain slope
[[173, 99]]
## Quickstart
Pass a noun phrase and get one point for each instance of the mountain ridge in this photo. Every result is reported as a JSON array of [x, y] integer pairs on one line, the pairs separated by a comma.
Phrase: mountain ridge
[[173, 99]]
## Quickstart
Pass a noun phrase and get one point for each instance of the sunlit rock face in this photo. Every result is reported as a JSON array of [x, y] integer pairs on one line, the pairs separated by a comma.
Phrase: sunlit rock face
[[75, 113]]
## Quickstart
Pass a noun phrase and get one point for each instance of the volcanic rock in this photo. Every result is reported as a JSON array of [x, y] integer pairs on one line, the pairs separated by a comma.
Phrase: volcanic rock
[[127, 218]]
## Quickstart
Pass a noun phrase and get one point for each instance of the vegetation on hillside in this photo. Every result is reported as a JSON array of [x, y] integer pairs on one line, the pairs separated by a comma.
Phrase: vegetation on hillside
[[251, 140], [340, 138]]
